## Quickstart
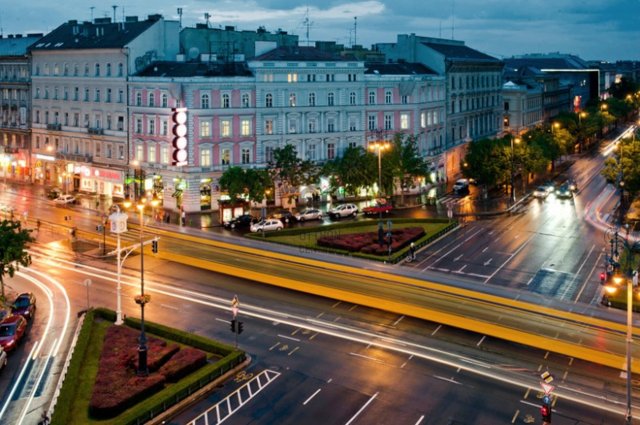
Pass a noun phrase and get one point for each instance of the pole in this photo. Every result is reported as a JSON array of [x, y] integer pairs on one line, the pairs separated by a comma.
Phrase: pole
[[380, 177], [513, 191], [119, 287], [142, 349], [629, 342], [104, 237]]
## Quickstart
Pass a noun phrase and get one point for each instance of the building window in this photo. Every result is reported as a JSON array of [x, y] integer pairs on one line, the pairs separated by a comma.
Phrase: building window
[[140, 152], [268, 153], [76, 119], [387, 97], [331, 150], [152, 99], [164, 100], [352, 98], [245, 100], [76, 72], [405, 100], [246, 155], [97, 151], [312, 126], [139, 125], [164, 154], [388, 122], [331, 126], [204, 101], [330, 99], [292, 99], [404, 121], [269, 100], [37, 118], [311, 78], [76, 93], [108, 70], [120, 123], [86, 95], [245, 127], [225, 128], [225, 100], [138, 99], [109, 151], [97, 70], [120, 70], [292, 77], [152, 126], [423, 119], [371, 120], [225, 156], [109, 123], [86, 69], [205, 129], [120, 96], [152, 153], [372, 98], [293, 127], [97, 98], [108, 96], [164, 127], [268, 126], [311, 152], [205, 157], [312, 99], [352, 125]]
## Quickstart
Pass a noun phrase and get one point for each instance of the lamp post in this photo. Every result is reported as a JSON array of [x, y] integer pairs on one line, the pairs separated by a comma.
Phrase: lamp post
[[513, 153], [379, 146]]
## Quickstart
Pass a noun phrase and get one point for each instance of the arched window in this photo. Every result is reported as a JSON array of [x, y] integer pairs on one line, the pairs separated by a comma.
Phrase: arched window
[[245, 100], [204, 101], [138, 99], [269, 100], [330, 99], [152, 99], [352, 98], [108, 70], [120, 69], [312, 99], [225, 100], [165, 100]]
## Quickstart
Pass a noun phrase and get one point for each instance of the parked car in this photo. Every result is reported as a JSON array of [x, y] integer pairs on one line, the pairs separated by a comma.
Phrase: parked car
[[309, 214], [381, 206], [564, 192], [3, 358], [54, 193], [24, 305], [343, 210], [65, 199], [541, 192], [241, 221], [461, 186], [284, 216], [267, 225], [12, 331]]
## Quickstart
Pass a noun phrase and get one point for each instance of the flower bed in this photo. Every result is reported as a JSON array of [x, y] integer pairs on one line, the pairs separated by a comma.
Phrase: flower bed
[[117, 386], [367, 243]]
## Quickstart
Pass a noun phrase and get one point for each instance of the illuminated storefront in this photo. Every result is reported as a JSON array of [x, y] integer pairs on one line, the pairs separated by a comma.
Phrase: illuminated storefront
[[100, 181], [205, 194]]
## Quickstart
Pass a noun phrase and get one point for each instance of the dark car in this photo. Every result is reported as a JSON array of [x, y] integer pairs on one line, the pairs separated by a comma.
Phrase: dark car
[[241, 221], [285, 216], [564, 192], [12, 331], [24, 305], [54, 193]]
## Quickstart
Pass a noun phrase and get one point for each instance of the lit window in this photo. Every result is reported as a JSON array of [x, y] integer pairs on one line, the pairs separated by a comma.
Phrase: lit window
[[205, 157], [225, 128], [225, 156], [404, 121], [245, 127], [205, 129]]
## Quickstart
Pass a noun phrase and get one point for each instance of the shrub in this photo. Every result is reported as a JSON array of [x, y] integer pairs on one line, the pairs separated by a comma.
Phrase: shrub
[[182, 363], [367, 243]]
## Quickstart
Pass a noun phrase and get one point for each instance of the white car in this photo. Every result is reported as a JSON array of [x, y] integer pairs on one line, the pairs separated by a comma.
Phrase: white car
[[65, 199], [309, 214], [267, 225], [541, 192], [344, 210]]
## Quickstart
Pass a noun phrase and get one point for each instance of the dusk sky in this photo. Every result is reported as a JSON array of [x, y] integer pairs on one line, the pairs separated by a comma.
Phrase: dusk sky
[[591, 29]]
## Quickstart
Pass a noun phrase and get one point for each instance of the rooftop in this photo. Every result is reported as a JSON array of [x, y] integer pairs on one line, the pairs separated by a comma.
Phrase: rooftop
[[301, 53], [460, 52], [195, 69]]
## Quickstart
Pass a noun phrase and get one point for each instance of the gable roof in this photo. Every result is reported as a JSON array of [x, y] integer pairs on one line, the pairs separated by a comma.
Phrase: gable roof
[[88, 35], [460, 52], [548, 62]]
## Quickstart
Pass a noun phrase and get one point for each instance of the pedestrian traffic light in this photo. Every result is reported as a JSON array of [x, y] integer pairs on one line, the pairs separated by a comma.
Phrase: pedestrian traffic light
[[179, 132], [603, 277], [154, 246], [545, 412], [240, 328], [233, 326]]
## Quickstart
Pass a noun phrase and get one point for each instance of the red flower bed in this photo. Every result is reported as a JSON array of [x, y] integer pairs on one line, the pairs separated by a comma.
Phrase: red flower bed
[[367, 243], [117, 387]]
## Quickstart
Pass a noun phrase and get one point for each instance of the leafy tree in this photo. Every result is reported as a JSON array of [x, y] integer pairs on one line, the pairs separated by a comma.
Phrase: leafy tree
[[13, 244], [405, 163], [233, 182], [488, 161], [625, 166], [355, 169], [245, 184], [290, 171], [624, 87]]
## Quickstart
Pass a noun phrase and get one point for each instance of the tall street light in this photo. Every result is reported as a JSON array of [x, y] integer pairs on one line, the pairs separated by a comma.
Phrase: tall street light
[[142, 299], [119, 225], [513, 153], [380, 146]]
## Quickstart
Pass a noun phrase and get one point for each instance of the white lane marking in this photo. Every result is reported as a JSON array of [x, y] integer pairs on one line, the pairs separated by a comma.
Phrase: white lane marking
[[530, 280], [486, 263], [312, 396], [288, 337], [17, 381], [575, 276], [169, 306], [442, 378], [586, 280], [481, 339], [461, 268], [484, 250], [293, 351], [398, 321], [367, 357], [458, 257], [362, 408], [520, 248], [420, 420], [274, 346], [436, 330]]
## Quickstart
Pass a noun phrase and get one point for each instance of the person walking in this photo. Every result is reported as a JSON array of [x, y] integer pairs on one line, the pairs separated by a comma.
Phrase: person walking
[[183, 216], [412, 250]]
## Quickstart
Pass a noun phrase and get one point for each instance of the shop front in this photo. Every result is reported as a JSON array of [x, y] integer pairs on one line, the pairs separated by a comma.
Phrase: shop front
[[43, 169], [106, 182], [205, 194]]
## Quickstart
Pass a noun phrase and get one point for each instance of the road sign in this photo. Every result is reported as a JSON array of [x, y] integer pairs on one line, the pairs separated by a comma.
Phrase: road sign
[[546, 377], [547, 388], [235, 305]]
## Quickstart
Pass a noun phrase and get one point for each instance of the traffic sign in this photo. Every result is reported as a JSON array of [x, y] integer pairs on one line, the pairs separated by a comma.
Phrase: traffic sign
[[235, 305], [546, 377]]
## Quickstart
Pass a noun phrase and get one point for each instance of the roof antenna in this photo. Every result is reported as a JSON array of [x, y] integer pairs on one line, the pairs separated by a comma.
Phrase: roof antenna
[[453, 18], [206, 18], [92, 7], [307, 23], [180, 15], [114, 13], [355, 30]]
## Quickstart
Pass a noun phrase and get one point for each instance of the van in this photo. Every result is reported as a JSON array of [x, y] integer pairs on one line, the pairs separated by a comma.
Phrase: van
[[461, 186]]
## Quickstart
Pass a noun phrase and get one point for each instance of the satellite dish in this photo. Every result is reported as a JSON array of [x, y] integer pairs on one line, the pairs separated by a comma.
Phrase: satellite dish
[[194, 52]]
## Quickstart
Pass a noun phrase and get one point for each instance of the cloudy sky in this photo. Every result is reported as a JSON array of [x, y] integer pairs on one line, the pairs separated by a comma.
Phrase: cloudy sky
[[592, 29]]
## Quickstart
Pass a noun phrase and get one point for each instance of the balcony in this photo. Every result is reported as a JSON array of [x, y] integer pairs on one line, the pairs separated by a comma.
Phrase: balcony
[[55, 126], [74, 157], [95, 130]]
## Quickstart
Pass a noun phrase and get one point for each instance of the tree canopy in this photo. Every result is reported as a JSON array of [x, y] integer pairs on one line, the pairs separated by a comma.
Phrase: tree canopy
[[13, 244]]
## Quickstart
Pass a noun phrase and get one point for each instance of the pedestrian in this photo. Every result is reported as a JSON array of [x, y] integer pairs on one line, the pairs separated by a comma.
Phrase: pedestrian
[[184, 218], [97, 203], [412, 250], [168, 218], [38, 226]]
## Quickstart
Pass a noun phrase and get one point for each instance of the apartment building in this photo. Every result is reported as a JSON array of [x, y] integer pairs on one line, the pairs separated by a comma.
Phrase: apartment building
[[15, 106], [80, 117]]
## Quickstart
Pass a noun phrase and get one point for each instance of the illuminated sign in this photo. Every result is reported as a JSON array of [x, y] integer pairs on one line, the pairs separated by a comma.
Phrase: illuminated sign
[[179, 131]]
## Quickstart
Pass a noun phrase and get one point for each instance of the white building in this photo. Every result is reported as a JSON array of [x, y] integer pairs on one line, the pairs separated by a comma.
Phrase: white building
[[79, 96]]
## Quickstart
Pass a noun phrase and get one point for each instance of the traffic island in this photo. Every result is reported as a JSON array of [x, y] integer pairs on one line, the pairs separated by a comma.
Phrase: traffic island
[[101, 385]]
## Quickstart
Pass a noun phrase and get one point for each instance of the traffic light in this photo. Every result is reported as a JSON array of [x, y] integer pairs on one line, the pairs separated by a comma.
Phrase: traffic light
[[240, 328], [154, 246], [233, 326], [179, 132], [603, 277], [545, 412]]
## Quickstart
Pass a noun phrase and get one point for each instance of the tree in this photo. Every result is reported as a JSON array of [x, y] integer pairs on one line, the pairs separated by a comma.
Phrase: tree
[[625, 166], [355, 169], [247, 185], [487, 161], [405, 163], [13, 254], [290, 171]]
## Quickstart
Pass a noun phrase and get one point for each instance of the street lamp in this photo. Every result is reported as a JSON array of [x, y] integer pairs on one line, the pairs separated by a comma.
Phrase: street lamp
[[119, 225], [513, 189], [380, 146]]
